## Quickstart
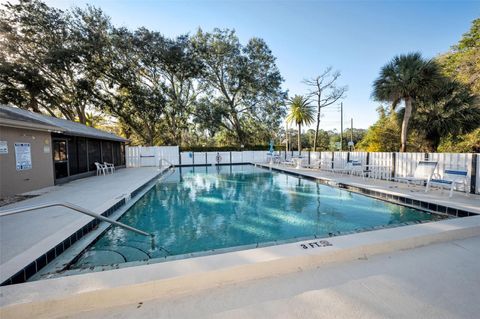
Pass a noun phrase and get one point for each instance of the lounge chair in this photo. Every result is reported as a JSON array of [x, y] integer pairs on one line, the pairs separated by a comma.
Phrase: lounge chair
[[357, 167], [350, 167], [109, 167], [101, 169], [451, 178], [289, 162], [315, 164], [423, 173]]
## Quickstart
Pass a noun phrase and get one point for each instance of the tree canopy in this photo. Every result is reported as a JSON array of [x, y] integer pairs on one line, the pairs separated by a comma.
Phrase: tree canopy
[[210, 89], [301, 113], [446, 113], [405, 79], [159, 90]]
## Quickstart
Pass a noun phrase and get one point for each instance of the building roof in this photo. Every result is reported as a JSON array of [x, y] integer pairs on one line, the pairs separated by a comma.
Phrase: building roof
[[15, 117]]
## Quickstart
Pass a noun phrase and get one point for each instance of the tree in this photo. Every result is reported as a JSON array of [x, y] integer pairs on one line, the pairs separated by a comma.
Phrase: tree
[[462, 62], [404, 79], [383, 136], [451, 110], [177, 67], [131, 90], [467, 143], [49, 58], [301, 113], [242, 82], [356, 135], [326, 92]]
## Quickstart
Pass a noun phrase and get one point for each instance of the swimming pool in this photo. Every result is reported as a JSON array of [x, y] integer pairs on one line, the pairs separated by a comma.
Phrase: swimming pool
[[218, 208]]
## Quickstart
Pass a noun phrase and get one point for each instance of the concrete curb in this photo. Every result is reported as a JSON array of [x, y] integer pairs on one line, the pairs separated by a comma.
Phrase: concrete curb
[[68, 295]]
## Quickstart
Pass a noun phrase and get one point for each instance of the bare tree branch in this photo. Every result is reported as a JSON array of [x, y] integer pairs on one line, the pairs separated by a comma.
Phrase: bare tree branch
[[325, 92]]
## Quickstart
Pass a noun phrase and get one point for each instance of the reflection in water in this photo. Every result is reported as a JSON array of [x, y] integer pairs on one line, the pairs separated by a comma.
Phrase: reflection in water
[[205, 208]]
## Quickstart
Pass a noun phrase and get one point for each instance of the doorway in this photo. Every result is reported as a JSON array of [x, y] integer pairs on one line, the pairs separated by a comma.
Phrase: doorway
[[60, 158]]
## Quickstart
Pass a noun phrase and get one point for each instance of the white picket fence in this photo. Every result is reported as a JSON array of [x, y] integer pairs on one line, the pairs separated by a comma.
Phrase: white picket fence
[[383, 164]]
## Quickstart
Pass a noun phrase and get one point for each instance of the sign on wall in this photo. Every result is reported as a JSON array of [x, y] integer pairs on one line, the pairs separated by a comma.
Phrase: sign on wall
[[23, 156], [3, 147]]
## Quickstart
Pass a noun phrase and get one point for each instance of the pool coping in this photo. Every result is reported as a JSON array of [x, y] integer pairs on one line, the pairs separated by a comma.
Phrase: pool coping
[[85, 292], [9, 277]]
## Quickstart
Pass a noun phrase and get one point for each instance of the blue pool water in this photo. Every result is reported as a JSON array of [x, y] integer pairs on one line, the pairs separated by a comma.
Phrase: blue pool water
[[198, 209]]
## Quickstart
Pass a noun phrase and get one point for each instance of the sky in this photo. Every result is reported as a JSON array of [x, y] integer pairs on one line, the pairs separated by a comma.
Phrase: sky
[[354, 37]]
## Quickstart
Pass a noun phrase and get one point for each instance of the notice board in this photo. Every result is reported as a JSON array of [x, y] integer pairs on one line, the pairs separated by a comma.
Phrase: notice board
[[23, 156]]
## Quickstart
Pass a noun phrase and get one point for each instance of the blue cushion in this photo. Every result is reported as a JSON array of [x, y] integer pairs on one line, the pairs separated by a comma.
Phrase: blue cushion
[[453, 172], [441, 181]]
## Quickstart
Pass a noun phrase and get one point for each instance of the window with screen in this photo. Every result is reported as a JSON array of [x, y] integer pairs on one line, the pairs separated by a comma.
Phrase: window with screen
[[94, 153], [72, 155], [107, 151], [82, 154]]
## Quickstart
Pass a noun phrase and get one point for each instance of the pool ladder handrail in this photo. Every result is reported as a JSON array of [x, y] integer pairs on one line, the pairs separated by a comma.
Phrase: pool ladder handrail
[[167, 161], [74, 208]]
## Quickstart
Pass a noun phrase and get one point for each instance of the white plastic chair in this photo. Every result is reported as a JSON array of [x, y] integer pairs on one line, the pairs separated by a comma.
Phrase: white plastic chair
[[423, 173], [350, 166], [101, 169], [358, 168], [289, 162], [109, 167], [451, 179], [316, 164]]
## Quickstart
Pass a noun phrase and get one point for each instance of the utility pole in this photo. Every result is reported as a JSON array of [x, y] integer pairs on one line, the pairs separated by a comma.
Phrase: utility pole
[[286, 136], [341, 126], [351, 129], [351, 148]]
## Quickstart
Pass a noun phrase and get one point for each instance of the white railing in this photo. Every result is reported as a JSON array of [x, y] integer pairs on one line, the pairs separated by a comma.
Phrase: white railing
[[386, 163]]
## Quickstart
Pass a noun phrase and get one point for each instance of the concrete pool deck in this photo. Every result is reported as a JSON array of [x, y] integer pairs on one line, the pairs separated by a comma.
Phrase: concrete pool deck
[[436, 281], [67, 296], [26, 236]]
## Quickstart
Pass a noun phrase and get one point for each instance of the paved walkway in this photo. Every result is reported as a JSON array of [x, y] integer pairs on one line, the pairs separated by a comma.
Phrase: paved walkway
[[436, 281], [25, 236]]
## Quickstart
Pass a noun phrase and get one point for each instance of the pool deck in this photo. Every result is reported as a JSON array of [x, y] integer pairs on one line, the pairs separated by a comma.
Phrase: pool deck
[[26, 236], [436, 281]]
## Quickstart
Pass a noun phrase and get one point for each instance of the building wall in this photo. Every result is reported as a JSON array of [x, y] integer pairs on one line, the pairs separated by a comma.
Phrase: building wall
[[40, 175]]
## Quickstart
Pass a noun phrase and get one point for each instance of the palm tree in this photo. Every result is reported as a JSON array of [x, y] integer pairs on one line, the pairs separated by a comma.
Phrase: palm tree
[[301, 113], [404, 79], [451, 110]]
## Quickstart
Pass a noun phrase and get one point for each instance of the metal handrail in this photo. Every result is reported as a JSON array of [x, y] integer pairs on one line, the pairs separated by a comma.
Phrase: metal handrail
[[75, 208], [164, 160]]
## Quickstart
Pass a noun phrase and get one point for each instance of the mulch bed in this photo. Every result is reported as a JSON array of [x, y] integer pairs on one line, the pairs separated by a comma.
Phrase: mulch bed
[[14, 199]]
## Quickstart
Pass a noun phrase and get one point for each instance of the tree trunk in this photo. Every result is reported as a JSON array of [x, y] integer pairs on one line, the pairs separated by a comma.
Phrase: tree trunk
[[33, 105], [82, 118], [238, 129], [299, 139], [406, 119], [316, 130]]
